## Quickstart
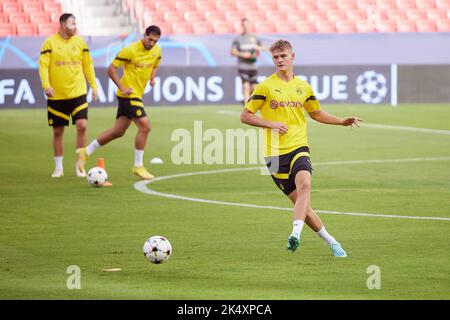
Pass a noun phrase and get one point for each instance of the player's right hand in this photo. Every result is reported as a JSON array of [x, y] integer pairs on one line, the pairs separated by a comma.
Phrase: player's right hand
[[127, 91], [49, 92], [280, 127], [247, 55]]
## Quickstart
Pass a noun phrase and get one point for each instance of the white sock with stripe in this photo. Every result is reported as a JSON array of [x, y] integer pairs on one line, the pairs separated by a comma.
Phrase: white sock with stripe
[[94, 145], [326, 236], [297, 227], [58, 163], [138, 158]]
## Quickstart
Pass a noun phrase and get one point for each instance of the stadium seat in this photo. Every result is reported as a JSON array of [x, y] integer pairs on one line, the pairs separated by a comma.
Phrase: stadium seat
[[47, 29], [287, 5], [415, 14], [181, 27], [425, 25], [365, 4], [4, 18], [435, 14], [40, 17], [26, 29], [268, 5], [234, 16], [304, 27], [405, 25], [194, 16], [52, 7], [173, 16], [405, 4], [254, 15], [7, 29], [18, 17], [325, 26], [184, 6], [225, 5], [163, 6], [202, 27], [443, 25], [315, 15], [425, 4], [33, 7], [166, 27], [385, 4], [365, 26], [356, 14], [345, 5], [385, 26], [306, 5], [345, 26], [443, 4], [275, 16], [264, 26], [335, 15], [152, 18], [223, 27], [214, 15], [448, 13], [205, 5], [245, 6], [396, 14], [285, 27], [326, 5], [12, 7]]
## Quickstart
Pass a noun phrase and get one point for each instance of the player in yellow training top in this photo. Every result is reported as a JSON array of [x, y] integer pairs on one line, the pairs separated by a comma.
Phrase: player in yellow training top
[[282, 100], [140, 61], [64, 65]]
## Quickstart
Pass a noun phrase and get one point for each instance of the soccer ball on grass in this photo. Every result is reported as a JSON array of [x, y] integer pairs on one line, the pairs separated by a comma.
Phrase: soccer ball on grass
[[157, 249], [97, 176]]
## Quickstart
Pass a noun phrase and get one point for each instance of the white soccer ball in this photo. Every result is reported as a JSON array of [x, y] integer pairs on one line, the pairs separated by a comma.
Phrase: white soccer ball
[[97, 176], [157, 249]]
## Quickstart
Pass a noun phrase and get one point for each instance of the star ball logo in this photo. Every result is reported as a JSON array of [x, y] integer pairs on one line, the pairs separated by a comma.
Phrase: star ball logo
[[371, 87]]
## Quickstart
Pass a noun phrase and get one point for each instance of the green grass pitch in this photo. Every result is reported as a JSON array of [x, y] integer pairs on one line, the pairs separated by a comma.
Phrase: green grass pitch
[[221, 251]]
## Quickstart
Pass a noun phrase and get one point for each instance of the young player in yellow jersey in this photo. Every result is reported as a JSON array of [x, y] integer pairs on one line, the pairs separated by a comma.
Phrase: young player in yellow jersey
[[64, 65], [140, 61], [282, 100]]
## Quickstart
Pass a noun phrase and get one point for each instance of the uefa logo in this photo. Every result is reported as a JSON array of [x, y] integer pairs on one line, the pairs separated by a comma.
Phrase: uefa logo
[[371, 87]]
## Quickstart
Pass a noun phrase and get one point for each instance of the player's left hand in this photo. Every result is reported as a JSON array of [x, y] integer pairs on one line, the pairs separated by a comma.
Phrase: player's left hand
[[152, 82], [351, 121], [94, 94]]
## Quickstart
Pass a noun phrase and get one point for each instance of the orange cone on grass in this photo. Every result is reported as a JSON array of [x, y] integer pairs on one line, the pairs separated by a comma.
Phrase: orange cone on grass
[[101, 164]]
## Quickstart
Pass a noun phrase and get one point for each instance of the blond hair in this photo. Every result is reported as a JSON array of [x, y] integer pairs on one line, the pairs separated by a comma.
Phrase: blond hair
[[280, 45]]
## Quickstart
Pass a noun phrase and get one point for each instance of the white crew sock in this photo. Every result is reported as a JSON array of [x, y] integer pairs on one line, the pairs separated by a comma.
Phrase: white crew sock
[[58, 163], [297, 227], [94, 145], [326, 236], [138, 158]]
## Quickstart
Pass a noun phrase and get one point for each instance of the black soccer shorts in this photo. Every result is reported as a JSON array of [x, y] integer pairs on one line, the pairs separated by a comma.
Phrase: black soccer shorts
[[130, 108], [284, 168], [60, 111]]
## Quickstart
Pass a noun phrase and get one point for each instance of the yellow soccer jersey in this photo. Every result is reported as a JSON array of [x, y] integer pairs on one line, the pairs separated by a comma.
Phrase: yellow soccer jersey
[[138, 64], [285, 102], [64, 65]]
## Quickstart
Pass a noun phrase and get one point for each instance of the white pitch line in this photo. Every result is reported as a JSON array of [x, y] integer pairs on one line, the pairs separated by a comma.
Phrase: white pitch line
[[368, 125], [142, 186]]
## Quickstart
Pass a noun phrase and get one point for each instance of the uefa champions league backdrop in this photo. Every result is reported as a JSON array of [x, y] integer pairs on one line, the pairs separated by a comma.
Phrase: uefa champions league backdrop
[[199, 70]]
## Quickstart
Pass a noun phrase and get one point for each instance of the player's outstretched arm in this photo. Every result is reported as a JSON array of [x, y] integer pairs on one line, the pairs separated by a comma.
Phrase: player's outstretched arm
[[324, 117]]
